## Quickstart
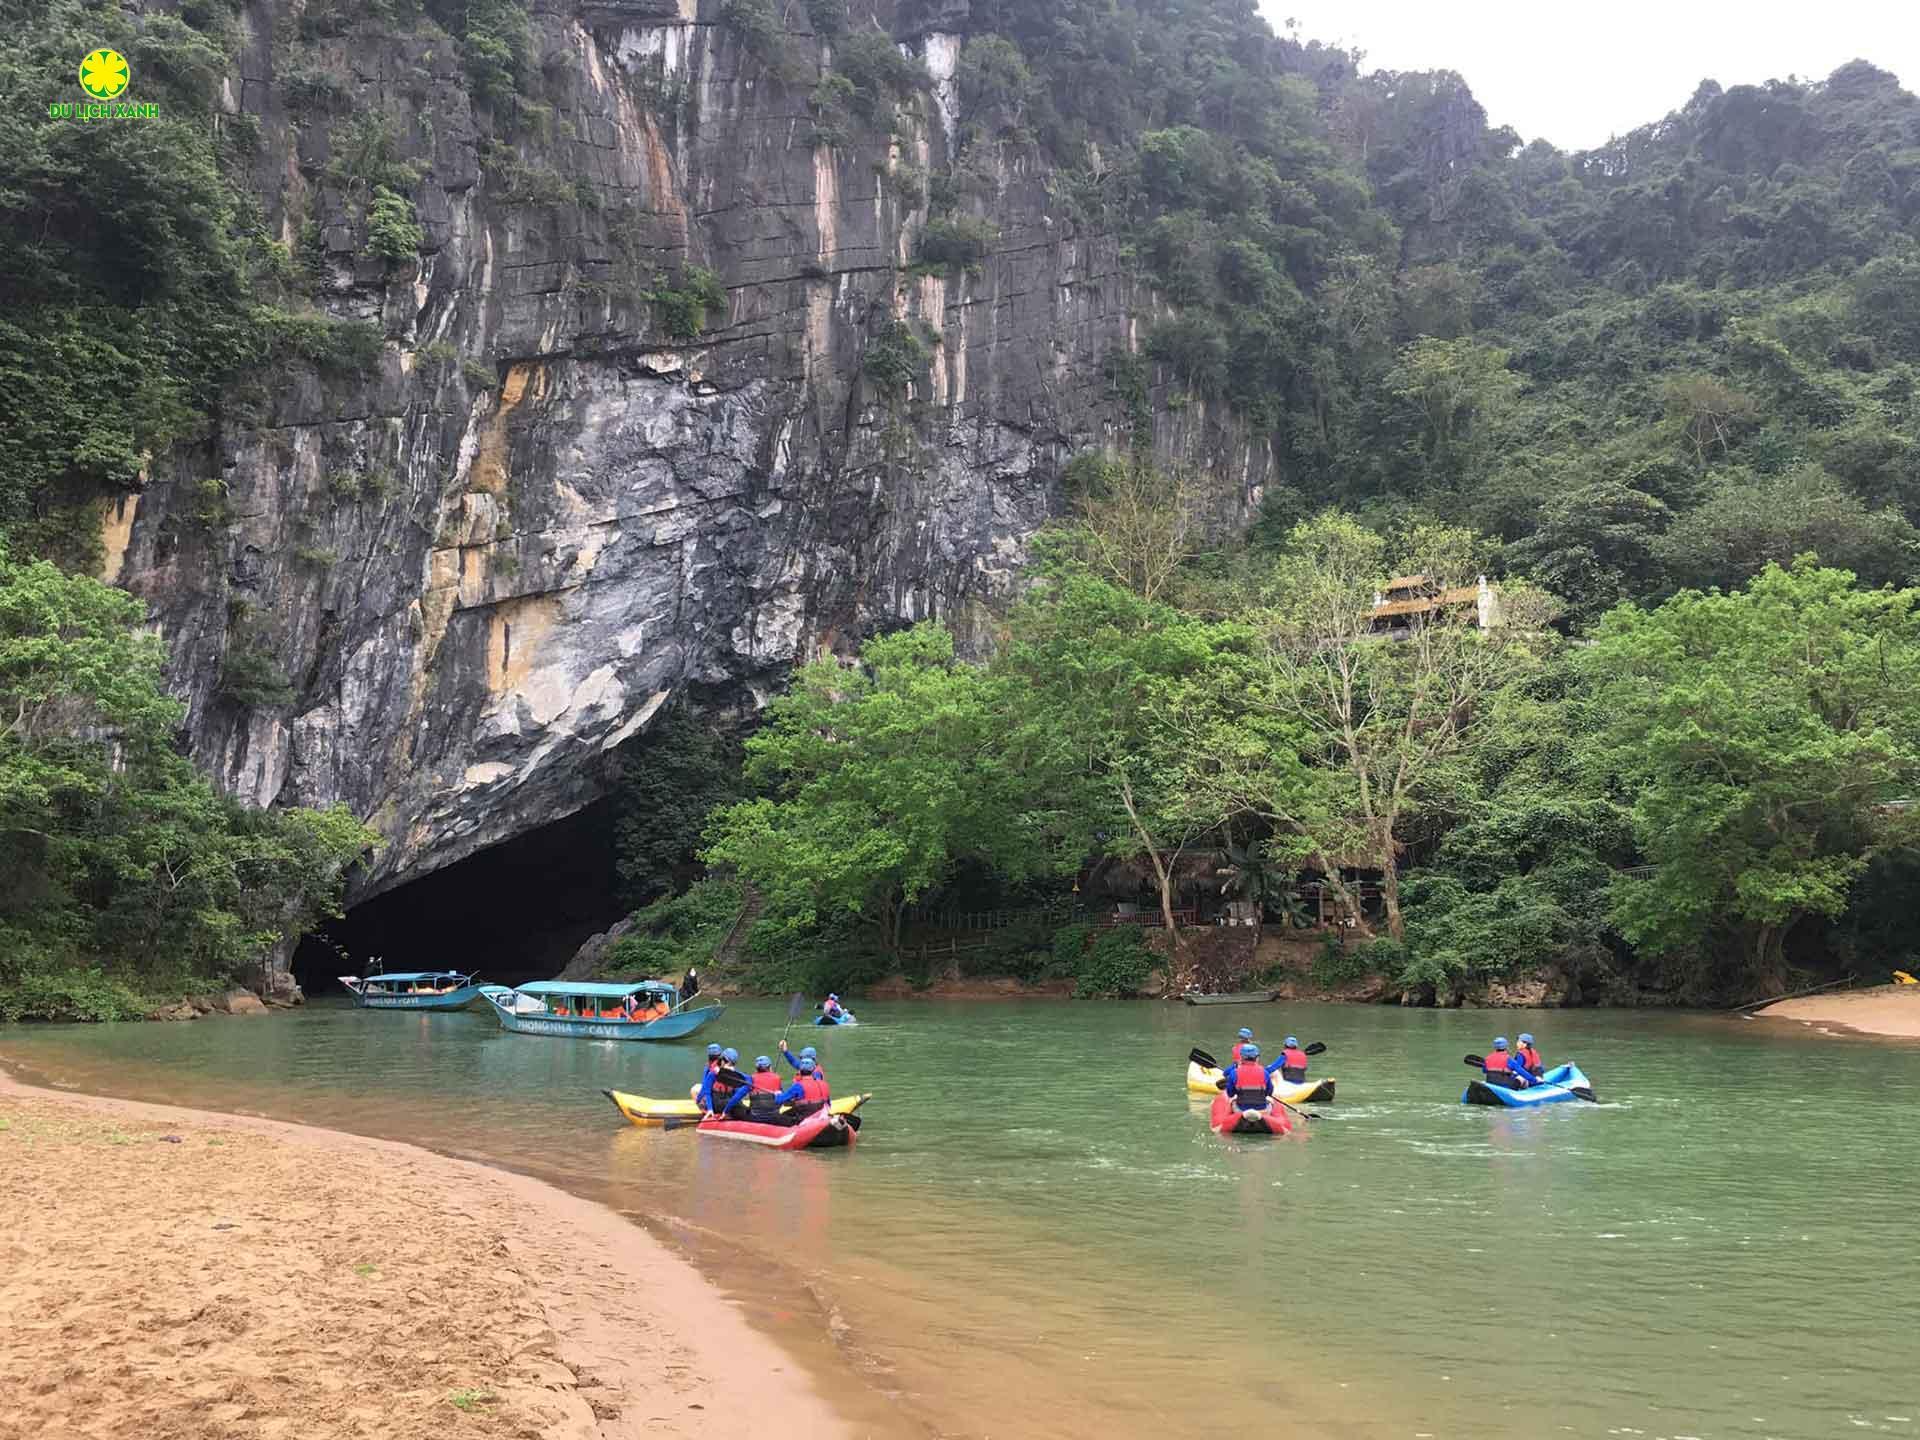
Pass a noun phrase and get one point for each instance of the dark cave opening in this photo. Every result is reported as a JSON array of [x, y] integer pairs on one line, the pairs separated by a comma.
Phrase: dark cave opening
[[512, 913]]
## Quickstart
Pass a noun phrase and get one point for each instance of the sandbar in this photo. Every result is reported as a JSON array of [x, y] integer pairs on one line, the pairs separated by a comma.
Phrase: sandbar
[[1888, 1010]]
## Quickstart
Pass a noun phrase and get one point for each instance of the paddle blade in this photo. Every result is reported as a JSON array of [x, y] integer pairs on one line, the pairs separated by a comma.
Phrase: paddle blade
[[1479, 1062], [1316, 1048], [734, 1077], [1583, 1092], [796, 1006], [1203, 1060]]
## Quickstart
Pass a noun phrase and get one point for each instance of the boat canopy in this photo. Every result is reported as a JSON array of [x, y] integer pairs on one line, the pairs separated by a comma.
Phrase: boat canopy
[[393, 975], [598, 990]]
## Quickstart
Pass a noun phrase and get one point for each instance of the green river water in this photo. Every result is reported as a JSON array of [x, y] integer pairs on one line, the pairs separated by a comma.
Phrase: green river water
[[1038, 1235]]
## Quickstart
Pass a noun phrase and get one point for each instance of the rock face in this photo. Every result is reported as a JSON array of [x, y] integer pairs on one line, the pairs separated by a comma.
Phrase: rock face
[[491, 558]]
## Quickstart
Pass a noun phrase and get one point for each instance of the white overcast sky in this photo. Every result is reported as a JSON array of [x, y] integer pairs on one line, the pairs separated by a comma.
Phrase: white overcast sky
[[1576, 74]]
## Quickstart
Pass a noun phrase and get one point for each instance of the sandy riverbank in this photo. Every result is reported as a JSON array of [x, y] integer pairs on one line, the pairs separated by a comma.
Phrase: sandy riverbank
[[180, 1275], [1889, 1010]]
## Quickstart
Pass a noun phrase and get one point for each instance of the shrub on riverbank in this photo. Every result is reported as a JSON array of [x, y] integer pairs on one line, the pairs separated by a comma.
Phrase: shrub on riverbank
[[1115, 965]]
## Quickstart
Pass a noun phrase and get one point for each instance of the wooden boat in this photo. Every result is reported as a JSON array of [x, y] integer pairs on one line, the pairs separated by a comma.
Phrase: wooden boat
[[415, 990], [597, 1010], [673, 1114], [1243, 997]]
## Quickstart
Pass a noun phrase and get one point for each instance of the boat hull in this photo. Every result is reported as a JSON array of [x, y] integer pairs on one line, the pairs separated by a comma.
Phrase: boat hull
[[821, 1130], [846, 1018], [676, 1026], [1201, 1081], [1247, 997], [1226, 1120], [453, 1000], [677, 1114], [1556, 1087]]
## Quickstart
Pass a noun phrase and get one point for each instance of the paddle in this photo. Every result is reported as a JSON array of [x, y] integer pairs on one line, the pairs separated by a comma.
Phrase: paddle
[[1579, 1092], [795, 1007]]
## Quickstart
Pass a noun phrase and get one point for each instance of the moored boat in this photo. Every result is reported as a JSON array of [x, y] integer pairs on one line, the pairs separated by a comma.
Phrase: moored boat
[[1242, 997], [413, 990], [598, 1010], [1202, 1081], [1226, 1120], [1560, 1084], [822, 1130], [673, 1114]]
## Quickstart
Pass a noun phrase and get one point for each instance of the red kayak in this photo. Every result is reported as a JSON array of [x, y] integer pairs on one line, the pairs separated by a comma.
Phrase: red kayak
[[822, 1130], [1226, 1120]]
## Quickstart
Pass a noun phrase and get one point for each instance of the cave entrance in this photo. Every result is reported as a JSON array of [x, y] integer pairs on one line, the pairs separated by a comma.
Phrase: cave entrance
[[512, 913]]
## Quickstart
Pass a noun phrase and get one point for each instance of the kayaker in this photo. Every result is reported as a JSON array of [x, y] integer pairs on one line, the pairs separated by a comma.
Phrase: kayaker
[[1499, 1067], [1530, 1057], [765, 1094], [1247, 1084], [832, 1007], [808, 1053], [1233, 1051], [809, 1090], [1292, 1063], [718, 1094]]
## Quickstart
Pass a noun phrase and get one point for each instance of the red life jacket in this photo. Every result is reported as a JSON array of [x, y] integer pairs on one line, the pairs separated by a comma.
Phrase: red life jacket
[[813, 1089], [1293, 1058], [1530, 1057], [1250, 1083], [767, 1080], [1495, 1063]]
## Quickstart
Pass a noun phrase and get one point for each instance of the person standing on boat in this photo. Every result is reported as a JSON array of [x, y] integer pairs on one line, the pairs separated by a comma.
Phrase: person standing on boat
[[1247, 1083], [689, 984], [1292, 1063], [809, 1053], [1530, 1057]]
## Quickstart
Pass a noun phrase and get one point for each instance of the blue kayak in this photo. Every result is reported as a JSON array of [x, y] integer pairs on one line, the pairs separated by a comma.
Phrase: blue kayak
[[1560, 1083], [846, 1018]]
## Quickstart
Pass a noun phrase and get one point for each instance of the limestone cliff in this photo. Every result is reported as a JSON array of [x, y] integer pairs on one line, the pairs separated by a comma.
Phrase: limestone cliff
[[490, 559]]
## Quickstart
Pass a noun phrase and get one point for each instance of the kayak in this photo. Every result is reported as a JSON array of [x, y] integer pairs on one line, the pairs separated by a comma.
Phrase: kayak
[[1558, 1084], [821, 1130], [1207, 1082], [672, 1114], [846, 1018], [1226, 1120]]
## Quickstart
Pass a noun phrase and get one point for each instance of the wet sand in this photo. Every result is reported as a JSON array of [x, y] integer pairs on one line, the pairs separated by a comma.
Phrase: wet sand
[[181, 1275], [1887, 1010]]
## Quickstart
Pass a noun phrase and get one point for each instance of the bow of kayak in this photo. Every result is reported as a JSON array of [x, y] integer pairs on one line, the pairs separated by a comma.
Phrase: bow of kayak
[[1226, 1120], [1560, 1084], [1202, 1081]]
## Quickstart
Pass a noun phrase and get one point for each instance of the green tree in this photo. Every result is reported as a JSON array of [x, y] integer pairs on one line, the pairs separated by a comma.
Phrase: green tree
[[666, 784], [1755, 737], [880, 777]]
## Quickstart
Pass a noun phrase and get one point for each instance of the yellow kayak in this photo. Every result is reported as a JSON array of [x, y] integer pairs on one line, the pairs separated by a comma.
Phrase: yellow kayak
[[1207, 1082], [674, 1113]]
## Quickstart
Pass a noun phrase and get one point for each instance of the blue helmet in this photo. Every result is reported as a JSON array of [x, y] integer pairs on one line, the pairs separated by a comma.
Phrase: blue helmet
[[730, 1055], [809, 1053], [713, 1052], [1249, 1052], [806, 1066], [833, 997], [1291, 1041], [1500, 1043], [1526, 1039], [761, 1062], [1245, 1034]]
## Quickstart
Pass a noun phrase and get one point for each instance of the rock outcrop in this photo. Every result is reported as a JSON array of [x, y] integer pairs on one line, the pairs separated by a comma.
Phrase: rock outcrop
[[562, 494]]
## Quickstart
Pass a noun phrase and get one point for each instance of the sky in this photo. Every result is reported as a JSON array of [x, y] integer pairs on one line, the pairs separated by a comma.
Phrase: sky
[[1577, 74]]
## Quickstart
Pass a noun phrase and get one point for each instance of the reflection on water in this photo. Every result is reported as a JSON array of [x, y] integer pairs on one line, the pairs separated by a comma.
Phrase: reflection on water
[[1038, 1235]]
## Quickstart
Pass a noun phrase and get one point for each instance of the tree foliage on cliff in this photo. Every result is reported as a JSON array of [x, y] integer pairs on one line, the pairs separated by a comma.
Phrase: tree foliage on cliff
[[122, 872]]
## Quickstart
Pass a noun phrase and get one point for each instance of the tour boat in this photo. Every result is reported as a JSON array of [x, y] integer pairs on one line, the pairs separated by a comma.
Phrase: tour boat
[[1562, 1083], [673, 1114], [1202, 1081], [597, 1010], [822, 1130], [416, 990]]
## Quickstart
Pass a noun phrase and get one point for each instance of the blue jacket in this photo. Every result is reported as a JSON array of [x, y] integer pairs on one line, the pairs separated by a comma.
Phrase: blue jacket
[[706, 1092], [1516, 1067]]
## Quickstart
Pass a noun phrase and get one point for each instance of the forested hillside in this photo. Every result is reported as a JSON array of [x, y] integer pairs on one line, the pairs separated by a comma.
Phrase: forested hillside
[[349, 362]]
